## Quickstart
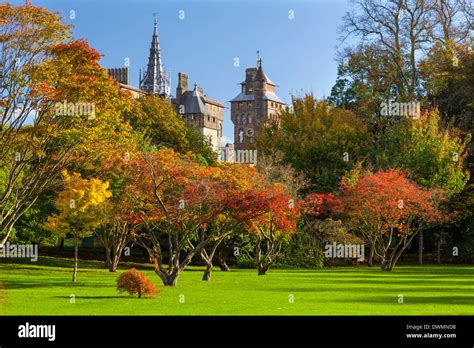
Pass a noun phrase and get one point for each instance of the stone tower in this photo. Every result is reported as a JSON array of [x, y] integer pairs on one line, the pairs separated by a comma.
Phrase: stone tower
[[256, 103], [156, 79], [199, 110]]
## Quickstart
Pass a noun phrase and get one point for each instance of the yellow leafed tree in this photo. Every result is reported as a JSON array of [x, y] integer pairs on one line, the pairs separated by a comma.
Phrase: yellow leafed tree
[[79, 207]]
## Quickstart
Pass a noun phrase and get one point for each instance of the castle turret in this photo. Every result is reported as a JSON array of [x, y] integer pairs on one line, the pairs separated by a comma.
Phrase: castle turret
[[256, 103], [155, 79], [197, 109]]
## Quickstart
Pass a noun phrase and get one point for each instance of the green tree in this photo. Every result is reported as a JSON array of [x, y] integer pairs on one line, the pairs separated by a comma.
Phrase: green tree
[[320, 141], [155, 118], [433, 155]]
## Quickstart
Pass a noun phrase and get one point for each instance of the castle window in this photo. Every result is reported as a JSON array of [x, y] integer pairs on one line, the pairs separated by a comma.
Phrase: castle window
[[214, 119], [208, 118], [241, 135]]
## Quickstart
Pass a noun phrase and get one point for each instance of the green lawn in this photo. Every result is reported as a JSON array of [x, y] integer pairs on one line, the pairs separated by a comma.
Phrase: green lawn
[[44, 288]]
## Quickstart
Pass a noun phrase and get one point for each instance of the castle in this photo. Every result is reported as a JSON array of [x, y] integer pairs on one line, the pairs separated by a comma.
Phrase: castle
[[199, 110], [250, 109]]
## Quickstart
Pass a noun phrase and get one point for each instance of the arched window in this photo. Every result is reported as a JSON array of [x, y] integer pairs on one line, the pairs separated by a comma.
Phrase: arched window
[[241, 135]]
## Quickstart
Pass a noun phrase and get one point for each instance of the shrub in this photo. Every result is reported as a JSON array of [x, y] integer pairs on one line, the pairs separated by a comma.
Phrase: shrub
[[304, 251], [135, 282], [246, 262]]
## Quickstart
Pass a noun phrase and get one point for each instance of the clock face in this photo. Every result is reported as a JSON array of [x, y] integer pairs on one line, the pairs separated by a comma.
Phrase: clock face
[[250, 132]]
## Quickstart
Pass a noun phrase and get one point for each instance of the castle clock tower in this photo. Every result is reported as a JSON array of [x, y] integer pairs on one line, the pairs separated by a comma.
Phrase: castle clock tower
[[255, 104]]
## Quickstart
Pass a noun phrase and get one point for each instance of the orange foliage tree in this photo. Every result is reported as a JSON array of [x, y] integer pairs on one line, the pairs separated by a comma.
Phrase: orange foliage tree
[[273, 225], [182, 207], [386, 209], [135, 282], [75, 108]]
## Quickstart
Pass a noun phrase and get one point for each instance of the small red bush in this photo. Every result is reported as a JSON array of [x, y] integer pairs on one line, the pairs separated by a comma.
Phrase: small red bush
[[135, 282]]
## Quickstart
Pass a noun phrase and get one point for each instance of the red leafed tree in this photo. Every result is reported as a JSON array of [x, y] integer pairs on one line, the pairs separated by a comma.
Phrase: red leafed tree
[[388, 210], [320, 205], [274, 224], [235, 202], [181, 208]]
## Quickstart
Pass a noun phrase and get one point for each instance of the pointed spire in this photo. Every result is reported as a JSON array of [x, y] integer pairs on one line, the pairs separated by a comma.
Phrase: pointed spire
[[155, 79]]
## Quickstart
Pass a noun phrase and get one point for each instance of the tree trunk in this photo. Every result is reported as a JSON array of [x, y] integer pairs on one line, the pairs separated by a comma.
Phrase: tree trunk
[[223, 266], [221, 262], [168, 279], [114, 263], [76, 257], [114, 259], [108, 260], [262, 270], [420, 247], [370, 260], [207, 273], [385, 263], [439, 252]]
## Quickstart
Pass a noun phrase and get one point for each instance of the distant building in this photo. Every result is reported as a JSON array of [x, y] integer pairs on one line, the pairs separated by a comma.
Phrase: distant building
[[155, 79], [255, 104], [199, 110], [121, 76]]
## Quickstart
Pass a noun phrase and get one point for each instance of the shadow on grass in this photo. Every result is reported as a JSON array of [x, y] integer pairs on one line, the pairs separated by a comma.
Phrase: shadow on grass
[[56, 262], [407, 300], [100, 297], [365, 291], [9, 285], [63, 264]]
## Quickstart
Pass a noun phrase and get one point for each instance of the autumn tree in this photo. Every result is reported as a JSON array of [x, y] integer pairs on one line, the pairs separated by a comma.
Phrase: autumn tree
[[388, 211], [135, 282], [26, 35], [235, 201], [433, 155], [78, 206], [116, 230], [273, 225], [58, 107], [403, 51], [447, 77], [180, 207], [399, 32]]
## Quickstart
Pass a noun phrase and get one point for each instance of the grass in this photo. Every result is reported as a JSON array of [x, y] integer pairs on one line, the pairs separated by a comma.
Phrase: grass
[[44, 288]]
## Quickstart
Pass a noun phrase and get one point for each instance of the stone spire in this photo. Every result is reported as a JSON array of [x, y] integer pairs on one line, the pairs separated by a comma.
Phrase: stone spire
[[155, 79]]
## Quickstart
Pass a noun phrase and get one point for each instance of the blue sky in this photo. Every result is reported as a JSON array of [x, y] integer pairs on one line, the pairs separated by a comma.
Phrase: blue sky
[[298, 54]]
